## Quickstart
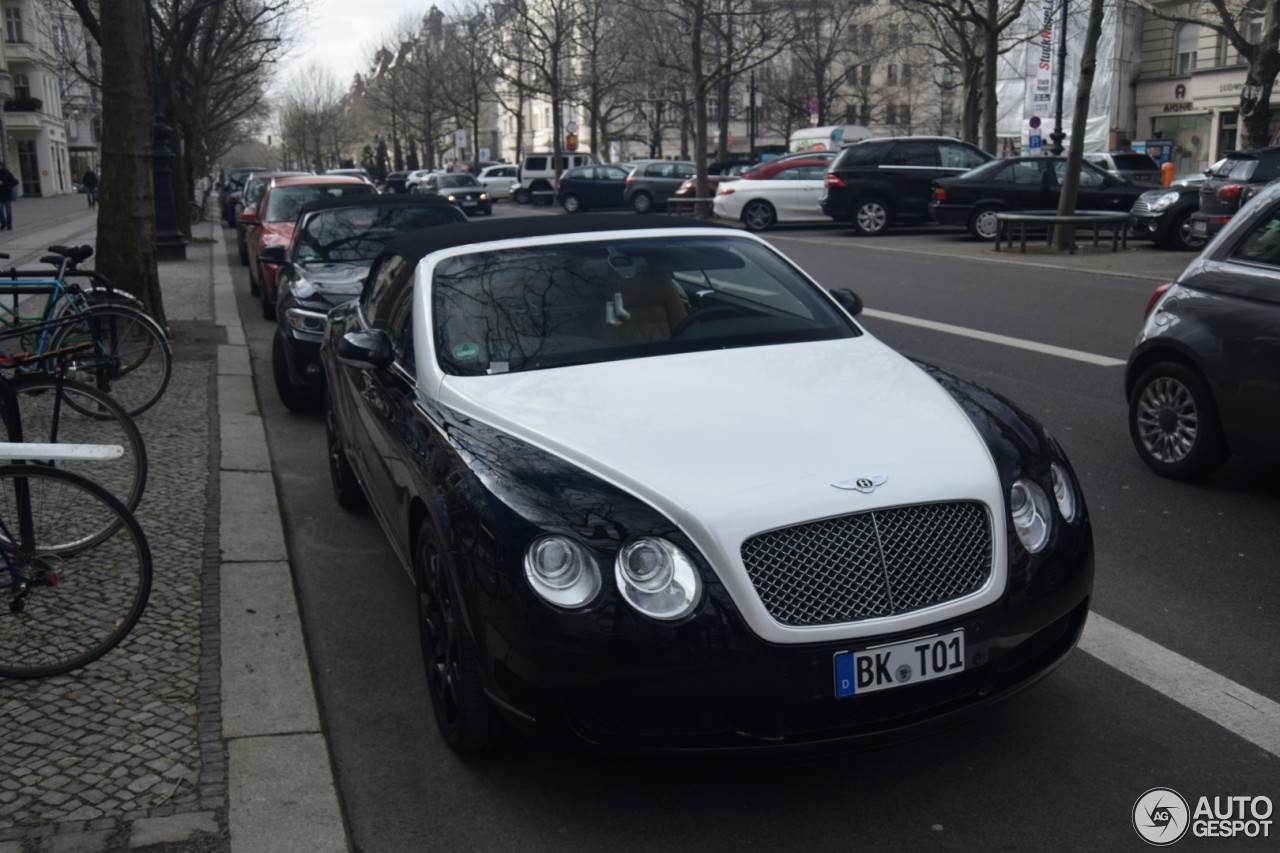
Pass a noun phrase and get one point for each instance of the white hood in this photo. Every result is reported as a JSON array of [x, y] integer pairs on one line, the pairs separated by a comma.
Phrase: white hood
[[732, 443]]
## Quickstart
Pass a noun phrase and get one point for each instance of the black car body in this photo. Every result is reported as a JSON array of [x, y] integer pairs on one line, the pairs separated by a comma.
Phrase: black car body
[[1230, 183], [601, 185], [1203, 379], [395, 182], [460, 188], [232, 185], [878, 182], [325, 265], [973, 199], [468, 391], [1132, 166], [1164, 215]]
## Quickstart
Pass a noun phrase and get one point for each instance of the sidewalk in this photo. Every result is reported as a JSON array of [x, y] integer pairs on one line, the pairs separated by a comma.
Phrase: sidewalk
[[200, 731]]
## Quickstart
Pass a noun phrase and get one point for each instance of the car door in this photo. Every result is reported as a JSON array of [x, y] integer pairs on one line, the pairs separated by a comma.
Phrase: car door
[[1024, 184], [608, 184], [909, 169], [786, 192]]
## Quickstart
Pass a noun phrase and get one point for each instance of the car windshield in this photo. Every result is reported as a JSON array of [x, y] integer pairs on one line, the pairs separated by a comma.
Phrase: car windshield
[[1135, 162], [460, 180], [548, 306], [1242, 170], [285, 203], [359, 233]]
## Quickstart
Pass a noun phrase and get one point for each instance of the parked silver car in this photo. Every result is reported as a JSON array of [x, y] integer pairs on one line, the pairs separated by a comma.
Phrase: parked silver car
[[1201, 381], [1129, 165]]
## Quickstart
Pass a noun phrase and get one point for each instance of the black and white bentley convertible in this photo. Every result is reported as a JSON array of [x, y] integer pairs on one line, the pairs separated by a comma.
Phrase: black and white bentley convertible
[[658, 489]]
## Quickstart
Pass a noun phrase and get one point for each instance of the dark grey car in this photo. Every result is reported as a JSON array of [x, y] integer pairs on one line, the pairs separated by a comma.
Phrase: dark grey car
[[1203, 380], [650, 184]]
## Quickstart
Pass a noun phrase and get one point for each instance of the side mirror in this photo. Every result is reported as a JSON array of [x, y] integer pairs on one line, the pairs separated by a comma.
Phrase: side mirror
[[848, 300], [249, 216], [274, 255], [369, 349]]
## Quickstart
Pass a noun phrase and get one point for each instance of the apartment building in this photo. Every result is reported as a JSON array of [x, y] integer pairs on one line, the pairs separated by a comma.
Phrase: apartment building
[[34, 135]]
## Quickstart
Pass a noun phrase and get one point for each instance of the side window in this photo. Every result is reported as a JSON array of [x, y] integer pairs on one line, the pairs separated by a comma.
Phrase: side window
[[684, 170], [535, 164], [400, 327], [1091, 177], [380, 290], [1021, 173], [913, 154], [813, 172], [1262, 244], [863, 154], [790, 174], [955, 156]]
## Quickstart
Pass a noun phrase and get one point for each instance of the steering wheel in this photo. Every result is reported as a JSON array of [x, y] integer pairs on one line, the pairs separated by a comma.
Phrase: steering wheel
[[702, 315]]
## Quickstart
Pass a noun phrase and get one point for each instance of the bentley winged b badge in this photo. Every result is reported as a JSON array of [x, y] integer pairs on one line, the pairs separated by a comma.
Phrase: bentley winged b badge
[[866, 485]]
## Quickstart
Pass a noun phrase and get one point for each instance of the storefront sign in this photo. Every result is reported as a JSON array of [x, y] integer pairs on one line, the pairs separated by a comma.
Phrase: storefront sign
[[1042, 95], [1180, 107]]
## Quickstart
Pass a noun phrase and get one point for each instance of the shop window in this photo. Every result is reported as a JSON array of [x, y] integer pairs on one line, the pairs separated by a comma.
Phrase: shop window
[[1188, 38]]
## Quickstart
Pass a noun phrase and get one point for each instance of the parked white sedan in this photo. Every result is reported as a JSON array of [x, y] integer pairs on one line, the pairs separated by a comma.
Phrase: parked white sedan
[[791, 195], [498, 179]]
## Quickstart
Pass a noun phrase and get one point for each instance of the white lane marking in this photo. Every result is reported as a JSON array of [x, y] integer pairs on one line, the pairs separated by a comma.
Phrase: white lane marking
[[991, 337], [1236, 708]]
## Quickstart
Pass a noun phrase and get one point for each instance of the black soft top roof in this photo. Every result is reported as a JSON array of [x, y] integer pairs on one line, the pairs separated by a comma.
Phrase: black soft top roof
[[373, 200], [417, 244]]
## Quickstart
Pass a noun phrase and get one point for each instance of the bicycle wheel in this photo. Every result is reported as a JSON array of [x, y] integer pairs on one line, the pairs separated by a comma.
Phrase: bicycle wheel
[[65, 608], [69, 412], [131, 359]]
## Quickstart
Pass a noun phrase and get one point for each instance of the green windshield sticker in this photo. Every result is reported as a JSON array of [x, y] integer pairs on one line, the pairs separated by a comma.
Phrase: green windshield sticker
[[466, 352]]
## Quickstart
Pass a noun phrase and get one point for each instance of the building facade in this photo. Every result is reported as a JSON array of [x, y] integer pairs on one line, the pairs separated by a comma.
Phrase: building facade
[[35, 142]]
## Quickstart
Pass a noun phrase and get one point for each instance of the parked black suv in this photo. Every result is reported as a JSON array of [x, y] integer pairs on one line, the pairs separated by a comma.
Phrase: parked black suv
[[878, 182], [1229, 184]]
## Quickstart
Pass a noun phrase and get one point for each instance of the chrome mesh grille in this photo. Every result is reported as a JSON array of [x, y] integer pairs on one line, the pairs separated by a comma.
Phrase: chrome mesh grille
[[870, 564], [1141, 206]]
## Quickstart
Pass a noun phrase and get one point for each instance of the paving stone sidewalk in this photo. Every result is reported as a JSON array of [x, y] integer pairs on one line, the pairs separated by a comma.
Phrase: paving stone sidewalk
[[127, 753]]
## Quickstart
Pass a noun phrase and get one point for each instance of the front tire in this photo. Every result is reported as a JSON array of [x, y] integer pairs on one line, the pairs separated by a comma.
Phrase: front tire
[[983, 224], [759, 216], [872, 216], [571, 204], [1181, 237], [295, 399], [1174, 423], [346, 488], [464, 715]]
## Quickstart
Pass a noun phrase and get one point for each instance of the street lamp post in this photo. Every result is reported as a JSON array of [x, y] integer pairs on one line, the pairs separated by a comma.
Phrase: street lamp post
[[1058, 135]]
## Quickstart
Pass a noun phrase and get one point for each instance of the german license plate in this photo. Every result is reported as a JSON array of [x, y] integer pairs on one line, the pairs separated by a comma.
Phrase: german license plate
[[899, 664], [468, 202], [1199, 227]]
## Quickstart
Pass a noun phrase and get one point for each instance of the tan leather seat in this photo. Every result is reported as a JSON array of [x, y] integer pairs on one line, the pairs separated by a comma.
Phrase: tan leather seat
[[654, 302]]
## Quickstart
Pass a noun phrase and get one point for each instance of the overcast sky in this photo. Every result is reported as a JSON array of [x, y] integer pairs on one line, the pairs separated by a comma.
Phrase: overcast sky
[[340, 34]]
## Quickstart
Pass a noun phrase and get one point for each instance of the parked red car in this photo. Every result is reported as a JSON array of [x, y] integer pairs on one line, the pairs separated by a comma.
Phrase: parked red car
[[276, 216]]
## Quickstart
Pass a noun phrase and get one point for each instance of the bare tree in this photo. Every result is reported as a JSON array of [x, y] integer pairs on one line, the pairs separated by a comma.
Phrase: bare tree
[[825, 32], [969, 33], [126, 245], [1252, 28], [606, 50], [468, 74], [311, 123]]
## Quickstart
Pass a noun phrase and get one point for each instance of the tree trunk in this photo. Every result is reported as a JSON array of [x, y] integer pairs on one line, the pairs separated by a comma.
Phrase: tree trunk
[[991, 49], [1065, 234], [699, 113], [126, 241], [1255, 97]]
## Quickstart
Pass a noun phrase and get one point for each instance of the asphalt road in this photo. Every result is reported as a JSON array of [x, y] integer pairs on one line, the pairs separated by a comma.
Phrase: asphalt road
[[1059, 767]]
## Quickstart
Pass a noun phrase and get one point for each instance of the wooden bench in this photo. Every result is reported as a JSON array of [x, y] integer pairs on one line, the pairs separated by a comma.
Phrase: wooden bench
[[1095, 220]]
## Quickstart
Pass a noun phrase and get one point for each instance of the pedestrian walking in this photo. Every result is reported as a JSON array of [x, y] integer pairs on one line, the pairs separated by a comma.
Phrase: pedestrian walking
[[90, 184], [7, 183]]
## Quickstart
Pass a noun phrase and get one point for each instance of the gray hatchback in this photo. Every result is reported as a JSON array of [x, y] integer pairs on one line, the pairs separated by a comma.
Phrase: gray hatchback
[[651, 183], [1203, 380]]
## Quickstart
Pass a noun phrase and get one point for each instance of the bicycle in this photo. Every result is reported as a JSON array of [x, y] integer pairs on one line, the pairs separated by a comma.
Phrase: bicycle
[[75, 565], [130, 358]]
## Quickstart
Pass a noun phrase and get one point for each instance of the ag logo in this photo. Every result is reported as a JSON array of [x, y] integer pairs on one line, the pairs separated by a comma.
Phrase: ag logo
[[866, 485], [1160, 816]]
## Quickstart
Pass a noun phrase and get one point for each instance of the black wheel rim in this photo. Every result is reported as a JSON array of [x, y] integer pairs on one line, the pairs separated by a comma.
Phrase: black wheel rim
[[439, 633]]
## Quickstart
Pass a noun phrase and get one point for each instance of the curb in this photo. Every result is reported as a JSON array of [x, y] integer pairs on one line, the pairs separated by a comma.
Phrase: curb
[[281, 793]]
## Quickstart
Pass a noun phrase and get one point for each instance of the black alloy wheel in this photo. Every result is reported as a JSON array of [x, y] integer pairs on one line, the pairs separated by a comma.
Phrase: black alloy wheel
[[758, 216], [466, 719], [1180, 235], [294, 397], [346, 488], [1174, 423]]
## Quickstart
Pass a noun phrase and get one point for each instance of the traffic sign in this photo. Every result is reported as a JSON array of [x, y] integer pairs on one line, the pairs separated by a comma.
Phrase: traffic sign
[[1035, 122], [1034, 142]]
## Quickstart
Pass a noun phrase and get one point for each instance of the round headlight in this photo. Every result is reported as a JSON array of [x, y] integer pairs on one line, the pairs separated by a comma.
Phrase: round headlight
[[1063, 494], [453, 198], [1164, 201], [1029, 511], [657, 578], [562, 571]]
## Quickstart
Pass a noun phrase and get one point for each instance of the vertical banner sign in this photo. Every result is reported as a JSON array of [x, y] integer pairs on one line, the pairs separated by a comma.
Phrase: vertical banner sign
[[1042, 94]]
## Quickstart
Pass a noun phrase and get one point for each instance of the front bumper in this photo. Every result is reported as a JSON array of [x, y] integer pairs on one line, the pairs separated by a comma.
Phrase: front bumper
[[711, 685]]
